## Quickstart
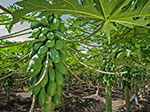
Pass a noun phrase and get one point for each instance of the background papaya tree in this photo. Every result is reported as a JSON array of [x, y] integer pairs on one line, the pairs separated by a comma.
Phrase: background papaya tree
[[12, 65]]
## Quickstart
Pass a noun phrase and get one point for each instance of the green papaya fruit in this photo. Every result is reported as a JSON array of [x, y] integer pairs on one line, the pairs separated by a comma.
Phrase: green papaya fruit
[[36, 33], [43, 49], [51, 73], [59, 90], [32, 53], [50, 43], [54, 54], [35, 25], [49, 62], [42, 97], [34, 72], [51, 89], [56, 99], [50, 35], [47, 108], [59, 44], [55, 22], [45, 30], [42, 55], [37, 45], [36, 90], [44, 81], [35, 61], [31, 44], [61, 68], [42, 37], [60, 79]]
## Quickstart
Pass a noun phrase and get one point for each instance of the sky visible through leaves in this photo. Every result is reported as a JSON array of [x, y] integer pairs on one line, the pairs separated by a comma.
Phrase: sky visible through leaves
[[17, 27]]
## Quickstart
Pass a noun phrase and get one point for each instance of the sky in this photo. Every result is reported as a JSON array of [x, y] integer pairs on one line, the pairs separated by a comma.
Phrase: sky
[[17, 27]]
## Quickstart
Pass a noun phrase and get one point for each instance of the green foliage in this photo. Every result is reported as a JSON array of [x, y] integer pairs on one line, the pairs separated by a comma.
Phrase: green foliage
[[9, 56], [121, 45]]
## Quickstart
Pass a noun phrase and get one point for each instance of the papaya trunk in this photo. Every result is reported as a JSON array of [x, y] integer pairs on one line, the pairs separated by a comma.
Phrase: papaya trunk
[[143, 86], [127, 98], [108, 99], [8, 95], [136, 93]]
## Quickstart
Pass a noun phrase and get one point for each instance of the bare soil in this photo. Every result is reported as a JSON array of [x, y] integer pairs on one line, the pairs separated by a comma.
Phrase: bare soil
[[77, 99]]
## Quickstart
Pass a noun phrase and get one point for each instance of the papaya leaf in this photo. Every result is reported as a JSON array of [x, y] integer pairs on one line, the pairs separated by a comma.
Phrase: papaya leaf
[[134, 16], [58, 6], [129, 13], [107, 29]]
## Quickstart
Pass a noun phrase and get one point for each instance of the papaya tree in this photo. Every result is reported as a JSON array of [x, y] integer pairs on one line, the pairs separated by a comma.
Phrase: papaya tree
[[99, 26]]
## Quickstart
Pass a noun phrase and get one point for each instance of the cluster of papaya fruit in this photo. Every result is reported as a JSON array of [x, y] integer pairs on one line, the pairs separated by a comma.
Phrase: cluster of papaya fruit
[[50, 48]]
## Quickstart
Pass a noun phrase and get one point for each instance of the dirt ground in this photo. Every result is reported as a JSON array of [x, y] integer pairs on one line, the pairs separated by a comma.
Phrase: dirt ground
[[77, 99]]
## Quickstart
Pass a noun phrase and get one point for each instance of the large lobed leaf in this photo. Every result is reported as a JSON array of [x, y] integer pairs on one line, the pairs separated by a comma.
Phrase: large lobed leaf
[[58, 6], [126, 12]]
